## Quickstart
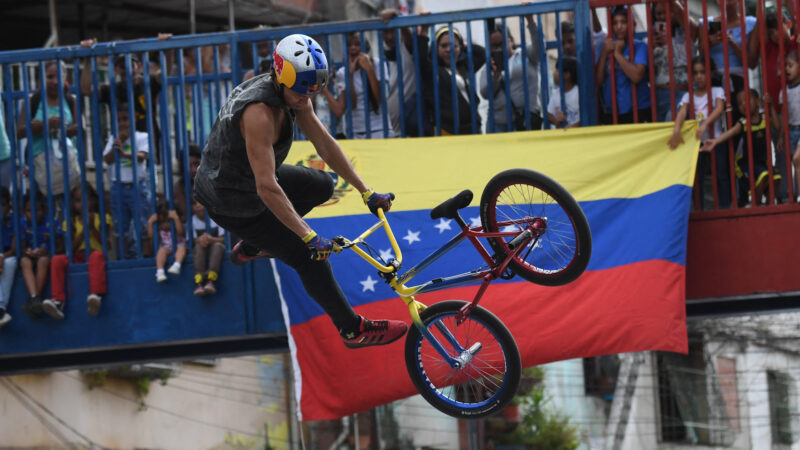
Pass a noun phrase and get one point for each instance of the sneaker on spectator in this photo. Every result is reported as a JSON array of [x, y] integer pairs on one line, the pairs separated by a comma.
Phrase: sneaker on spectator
[[161, 276], [4, 318], [243, 253], [199, 290], [209, 288], [375, 332], [93, 303], [54, 308], [175, 268], [32, 306]]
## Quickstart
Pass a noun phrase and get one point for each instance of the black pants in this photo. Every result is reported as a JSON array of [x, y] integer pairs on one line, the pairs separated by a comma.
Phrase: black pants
[[306, 188]]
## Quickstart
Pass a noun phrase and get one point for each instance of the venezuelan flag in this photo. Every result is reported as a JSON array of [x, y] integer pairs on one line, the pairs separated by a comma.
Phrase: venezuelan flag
[[634, 190]]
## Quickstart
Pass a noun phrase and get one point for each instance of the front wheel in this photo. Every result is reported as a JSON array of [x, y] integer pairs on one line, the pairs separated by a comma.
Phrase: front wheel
[[489, 372], [519, 199]]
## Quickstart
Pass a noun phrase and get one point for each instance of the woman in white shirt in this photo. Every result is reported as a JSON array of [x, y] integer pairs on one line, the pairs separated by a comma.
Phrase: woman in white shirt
[[365, 113]]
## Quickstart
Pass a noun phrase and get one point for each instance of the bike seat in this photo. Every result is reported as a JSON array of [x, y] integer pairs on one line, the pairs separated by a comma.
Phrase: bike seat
[[449, 208]]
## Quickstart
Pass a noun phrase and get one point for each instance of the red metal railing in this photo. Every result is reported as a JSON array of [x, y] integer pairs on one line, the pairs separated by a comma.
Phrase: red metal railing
[[742, 189]]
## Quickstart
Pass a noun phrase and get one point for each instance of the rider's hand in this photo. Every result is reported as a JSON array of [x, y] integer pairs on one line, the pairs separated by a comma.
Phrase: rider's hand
[[373, 200], [320, 247]]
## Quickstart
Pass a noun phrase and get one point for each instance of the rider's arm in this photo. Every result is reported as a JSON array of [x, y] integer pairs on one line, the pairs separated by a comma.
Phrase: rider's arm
[[327, 147], [257, 127]]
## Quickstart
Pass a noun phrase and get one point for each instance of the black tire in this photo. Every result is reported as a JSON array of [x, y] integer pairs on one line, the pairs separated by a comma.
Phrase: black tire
[[489, 379], [562, 253]]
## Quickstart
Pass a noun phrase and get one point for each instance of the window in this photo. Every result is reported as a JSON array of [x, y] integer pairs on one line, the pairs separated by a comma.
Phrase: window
[[691, 405], [781, 407]]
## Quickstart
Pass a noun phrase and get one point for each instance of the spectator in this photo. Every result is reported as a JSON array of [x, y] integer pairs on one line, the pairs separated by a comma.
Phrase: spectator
[[772, 65], [121, 89], [555, 114], [130, 197], [201, 114], [517, 83], [5, 155], [793, 108], [406, 60], [164, 217], [51, 108], [675, 68], [366, 123], [568, 47], [773, 62], [708, 115], [735, 40], [760, 150], [179, 189], [466, 103], [264, 62], [209, 248], [627, 73], [8, 260], [35, 259], [59, 266]]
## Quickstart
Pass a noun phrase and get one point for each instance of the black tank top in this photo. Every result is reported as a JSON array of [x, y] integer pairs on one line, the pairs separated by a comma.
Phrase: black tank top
[[225, 183]]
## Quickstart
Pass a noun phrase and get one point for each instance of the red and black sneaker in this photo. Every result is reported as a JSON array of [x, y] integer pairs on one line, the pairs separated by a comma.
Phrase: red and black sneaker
[[243, 253], [375, 332]]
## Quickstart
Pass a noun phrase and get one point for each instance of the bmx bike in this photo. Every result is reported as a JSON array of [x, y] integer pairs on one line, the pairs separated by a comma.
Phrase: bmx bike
[[461, 358]]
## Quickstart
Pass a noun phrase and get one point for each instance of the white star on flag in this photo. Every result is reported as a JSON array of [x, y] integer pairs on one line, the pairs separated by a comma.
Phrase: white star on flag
[[368, 284], [387, 254], [412, 236], [475, 221], [443, 225]]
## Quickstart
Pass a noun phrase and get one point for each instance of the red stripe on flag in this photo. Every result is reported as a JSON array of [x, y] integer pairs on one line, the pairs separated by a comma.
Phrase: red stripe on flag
[[636, 307]]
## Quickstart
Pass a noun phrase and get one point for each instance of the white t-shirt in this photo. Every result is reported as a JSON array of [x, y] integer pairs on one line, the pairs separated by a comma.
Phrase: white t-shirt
[[573, 103], [199, 227], [701, 109], [357, 114], [793, 94], [126, 164]]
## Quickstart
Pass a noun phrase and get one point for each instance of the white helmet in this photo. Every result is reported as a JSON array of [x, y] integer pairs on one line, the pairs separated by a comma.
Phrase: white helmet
[[300, 64]]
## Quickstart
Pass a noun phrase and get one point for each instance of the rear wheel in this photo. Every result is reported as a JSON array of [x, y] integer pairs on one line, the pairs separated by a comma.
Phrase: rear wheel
[[490, 364], [517, 199]]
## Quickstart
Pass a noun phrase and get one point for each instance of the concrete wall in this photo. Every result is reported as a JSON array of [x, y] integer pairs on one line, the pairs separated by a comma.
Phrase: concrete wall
[[232, 405]]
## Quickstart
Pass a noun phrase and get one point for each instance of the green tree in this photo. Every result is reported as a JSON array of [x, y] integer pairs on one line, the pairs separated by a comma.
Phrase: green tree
[[539, 428]]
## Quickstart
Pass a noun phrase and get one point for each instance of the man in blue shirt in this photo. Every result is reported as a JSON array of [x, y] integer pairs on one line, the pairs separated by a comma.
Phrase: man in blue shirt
[[626, 73]]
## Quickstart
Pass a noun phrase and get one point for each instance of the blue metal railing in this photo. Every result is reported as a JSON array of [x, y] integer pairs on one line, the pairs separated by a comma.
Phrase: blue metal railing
[[175, 108]]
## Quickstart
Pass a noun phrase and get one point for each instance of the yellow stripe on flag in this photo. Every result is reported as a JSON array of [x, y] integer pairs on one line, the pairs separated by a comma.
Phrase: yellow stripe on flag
[[621, 161]]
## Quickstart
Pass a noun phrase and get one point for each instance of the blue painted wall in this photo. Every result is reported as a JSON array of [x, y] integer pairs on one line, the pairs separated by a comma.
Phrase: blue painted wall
[[137, 310]]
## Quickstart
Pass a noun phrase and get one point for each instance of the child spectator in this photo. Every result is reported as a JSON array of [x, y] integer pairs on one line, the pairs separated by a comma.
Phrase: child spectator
[[35, 259], [761, 149], [162, 217], [208, 247], [627, 74], [8, 262], [130, 197], [59, 266], [46, 106], [555, 115], [793, 108], [707, 114]]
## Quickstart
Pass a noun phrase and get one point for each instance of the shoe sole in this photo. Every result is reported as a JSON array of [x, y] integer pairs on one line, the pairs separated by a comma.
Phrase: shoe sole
[[348, 345], [93, 306], [53, 312]]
